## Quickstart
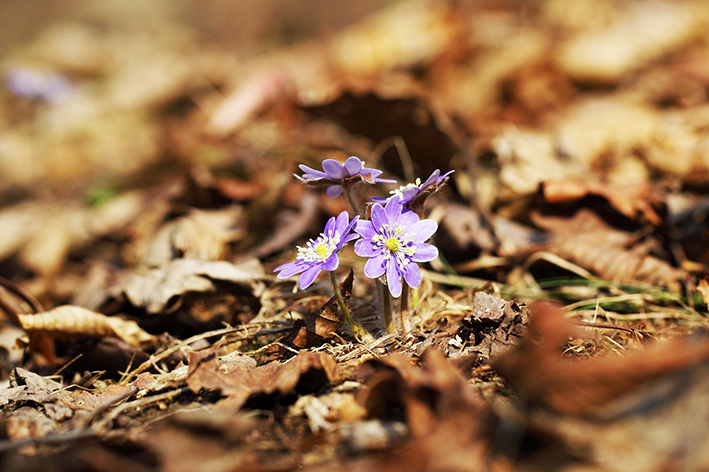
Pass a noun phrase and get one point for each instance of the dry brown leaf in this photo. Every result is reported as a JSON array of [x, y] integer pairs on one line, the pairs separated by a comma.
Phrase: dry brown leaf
[[643, 33], [528, 158], [587, 387], [445, 419], [74, 321], [703, 288], [634, 201], [495, 326], [319, 324], [154, 289], [273, 378], [201, 235], [588, 241]]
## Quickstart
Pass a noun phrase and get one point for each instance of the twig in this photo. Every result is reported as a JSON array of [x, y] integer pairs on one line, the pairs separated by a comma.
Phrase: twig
[[169, 351], [588, 324]]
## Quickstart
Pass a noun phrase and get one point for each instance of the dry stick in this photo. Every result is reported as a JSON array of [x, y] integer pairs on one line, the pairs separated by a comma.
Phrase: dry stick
[[142, 402], [588, 324], [167, 352], [105, 405], [22, 294], [386, 306], [404, 310]]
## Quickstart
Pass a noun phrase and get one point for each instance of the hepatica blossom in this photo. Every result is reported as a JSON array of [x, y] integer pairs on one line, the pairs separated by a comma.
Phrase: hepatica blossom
[[394, 242], [409, 192], [321, 253], [334, 171]]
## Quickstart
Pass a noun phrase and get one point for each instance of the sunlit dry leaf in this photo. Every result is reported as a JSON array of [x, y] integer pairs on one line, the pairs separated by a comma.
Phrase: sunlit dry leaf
[[589, 242], [703, 288], [201, 235], [75, 321], [528, 158], [643, 33], [255, 95], [602, 130], [403, 35], [153, 289]]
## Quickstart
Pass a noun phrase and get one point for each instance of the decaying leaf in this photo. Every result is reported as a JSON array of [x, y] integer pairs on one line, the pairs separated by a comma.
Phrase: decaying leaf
[[75, 321], [445, 420], [495, 326], [308, 369], [154, 289], [633, 201]]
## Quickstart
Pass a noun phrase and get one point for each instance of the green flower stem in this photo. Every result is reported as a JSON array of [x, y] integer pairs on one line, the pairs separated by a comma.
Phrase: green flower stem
[[385, 297], [363, 334], [404, 311], [348, 189]]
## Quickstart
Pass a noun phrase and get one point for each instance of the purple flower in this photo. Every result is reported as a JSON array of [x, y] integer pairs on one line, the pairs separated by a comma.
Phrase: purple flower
[[334, 171], [38, 85], [321, 253], [394, 242], [409, 192]]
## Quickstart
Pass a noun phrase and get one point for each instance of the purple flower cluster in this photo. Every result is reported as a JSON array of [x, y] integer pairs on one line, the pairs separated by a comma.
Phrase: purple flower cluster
[[333, 171], [321, 253], [395, 241]]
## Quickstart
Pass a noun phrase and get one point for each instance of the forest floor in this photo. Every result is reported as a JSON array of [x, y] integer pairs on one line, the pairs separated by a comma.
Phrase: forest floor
[[148, 195]]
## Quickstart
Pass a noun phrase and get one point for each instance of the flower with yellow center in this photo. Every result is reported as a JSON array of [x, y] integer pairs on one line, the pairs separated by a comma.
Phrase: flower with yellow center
[[394, 241]]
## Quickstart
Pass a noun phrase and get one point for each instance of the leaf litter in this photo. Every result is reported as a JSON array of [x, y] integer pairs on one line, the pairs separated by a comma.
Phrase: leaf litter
[[147, 195]]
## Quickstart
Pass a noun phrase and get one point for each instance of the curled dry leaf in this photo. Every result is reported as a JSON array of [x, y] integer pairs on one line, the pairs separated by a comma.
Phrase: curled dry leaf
[[74, 321], [445, 419], [201, 235]]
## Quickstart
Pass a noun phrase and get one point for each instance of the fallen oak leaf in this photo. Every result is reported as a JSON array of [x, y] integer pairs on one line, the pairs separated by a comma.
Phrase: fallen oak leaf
[[71, 321]]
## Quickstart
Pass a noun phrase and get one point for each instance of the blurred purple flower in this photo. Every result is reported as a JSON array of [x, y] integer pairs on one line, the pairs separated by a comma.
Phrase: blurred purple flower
[[38, 85], [409, 192], [320, 254], [394, 242], [334, 171]]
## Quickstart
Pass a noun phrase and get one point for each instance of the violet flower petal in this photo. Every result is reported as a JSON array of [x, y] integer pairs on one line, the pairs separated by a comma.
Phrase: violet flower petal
[[375, 267], [394, 279], [334, 169]]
